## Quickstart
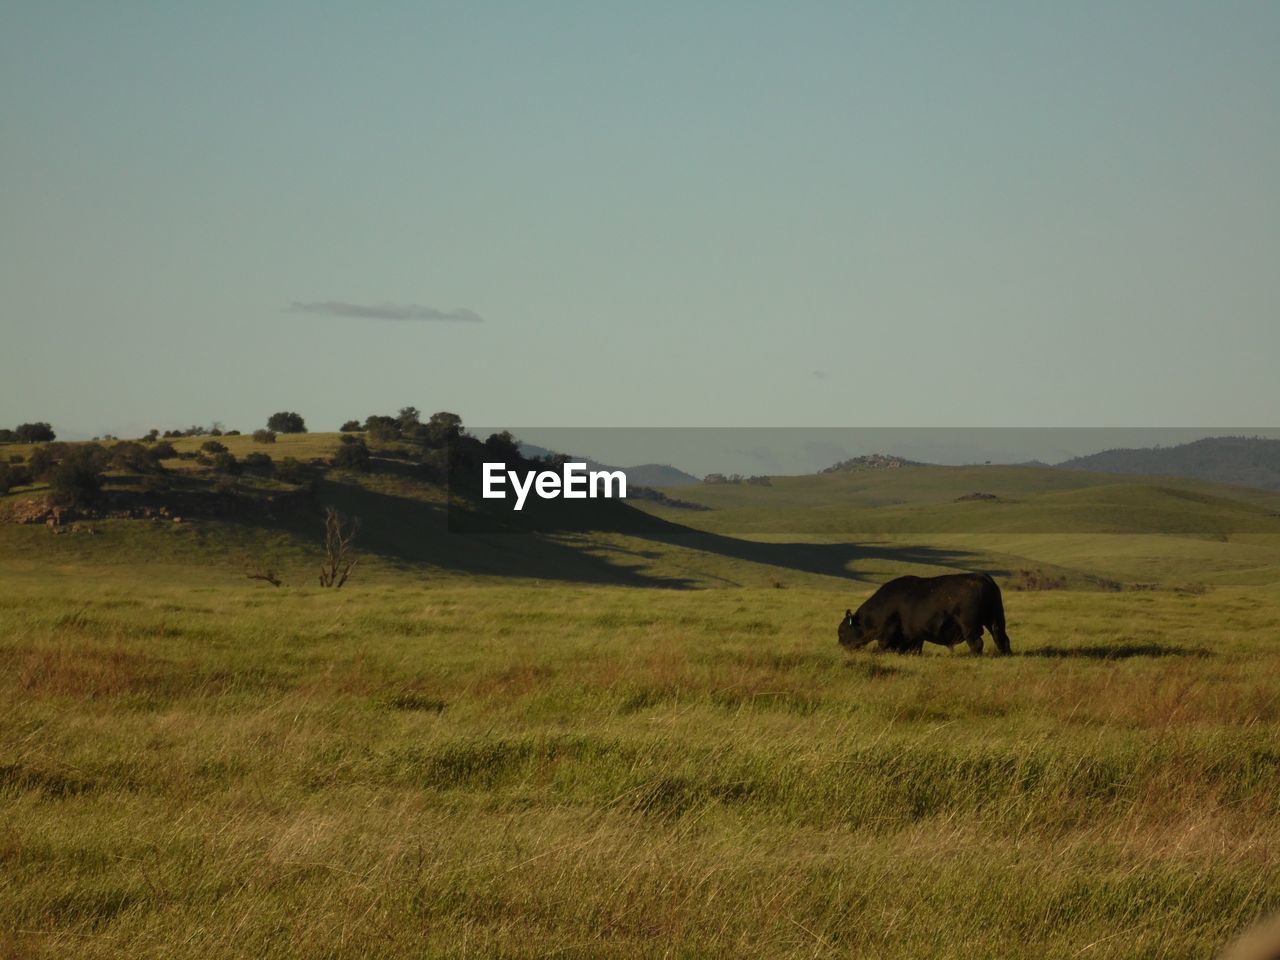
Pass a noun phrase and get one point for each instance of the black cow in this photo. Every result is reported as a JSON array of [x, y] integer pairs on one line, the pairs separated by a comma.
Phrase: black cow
[[946, 610]]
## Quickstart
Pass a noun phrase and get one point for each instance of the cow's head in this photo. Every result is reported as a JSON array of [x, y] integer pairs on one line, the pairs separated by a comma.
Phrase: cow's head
[[850, 634]]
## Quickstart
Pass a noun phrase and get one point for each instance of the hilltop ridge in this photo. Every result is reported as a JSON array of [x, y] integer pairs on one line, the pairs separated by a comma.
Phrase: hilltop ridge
[[1243, 461]]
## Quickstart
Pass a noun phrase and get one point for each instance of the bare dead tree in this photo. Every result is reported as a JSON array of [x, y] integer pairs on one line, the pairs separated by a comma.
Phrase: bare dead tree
[[256, 569], [339, 557]]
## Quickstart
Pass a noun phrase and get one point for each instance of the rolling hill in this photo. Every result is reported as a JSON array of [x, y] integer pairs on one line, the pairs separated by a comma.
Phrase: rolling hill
[[1082, 529], [1245, 461]]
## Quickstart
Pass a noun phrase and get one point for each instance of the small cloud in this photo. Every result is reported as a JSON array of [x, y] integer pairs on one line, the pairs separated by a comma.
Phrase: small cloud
[[385, 311]]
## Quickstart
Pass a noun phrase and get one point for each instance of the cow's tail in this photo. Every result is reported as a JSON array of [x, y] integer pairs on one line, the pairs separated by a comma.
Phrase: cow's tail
[[997, 618]]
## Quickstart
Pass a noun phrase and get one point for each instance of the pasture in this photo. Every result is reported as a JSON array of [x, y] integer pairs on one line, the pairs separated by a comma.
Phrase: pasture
[[196, 765]]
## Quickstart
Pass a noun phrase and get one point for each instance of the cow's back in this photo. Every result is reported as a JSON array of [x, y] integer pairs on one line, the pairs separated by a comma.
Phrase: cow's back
[[908, 610]]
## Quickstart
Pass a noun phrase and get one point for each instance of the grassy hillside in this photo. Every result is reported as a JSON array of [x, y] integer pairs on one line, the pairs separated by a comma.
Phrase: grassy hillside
[[1085, 530], [1083, 527]]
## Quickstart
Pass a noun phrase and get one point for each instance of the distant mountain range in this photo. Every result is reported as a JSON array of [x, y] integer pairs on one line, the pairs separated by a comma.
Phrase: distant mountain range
[[1244, 461]]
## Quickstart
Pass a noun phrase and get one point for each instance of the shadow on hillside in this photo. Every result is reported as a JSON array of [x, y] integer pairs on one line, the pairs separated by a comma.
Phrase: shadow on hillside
[[554, 543], [412, 532], [824, 559], [1121, 651]]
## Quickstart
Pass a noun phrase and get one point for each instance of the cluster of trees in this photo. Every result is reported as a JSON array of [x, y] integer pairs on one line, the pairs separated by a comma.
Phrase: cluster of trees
[[215, 430], [408, 425], [28, 433], [74, 472], [432, 437], [439, 442]]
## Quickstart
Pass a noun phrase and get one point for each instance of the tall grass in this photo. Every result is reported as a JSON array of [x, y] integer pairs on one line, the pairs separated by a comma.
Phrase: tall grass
[[458, 770]]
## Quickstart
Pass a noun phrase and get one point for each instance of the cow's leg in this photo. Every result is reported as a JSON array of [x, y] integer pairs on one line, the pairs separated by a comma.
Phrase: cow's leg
[[1001, 638], [893, 637], [972, 633]]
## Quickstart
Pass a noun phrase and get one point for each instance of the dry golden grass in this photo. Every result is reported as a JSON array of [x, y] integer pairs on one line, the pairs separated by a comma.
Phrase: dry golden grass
[[223, 770]]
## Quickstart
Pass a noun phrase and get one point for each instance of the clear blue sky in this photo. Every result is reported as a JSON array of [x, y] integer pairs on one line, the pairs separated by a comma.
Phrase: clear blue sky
[[663, 213]]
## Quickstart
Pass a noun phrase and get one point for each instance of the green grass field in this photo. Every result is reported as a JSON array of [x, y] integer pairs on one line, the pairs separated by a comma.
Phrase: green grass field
[[619, 745]]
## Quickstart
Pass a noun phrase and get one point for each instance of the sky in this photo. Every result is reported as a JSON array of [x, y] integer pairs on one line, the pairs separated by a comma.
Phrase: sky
[[640, 215]]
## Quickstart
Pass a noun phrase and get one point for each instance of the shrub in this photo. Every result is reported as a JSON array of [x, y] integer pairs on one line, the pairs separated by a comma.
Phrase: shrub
[[164, 450], [75, 482], [224, 462], [381, 432], [351, 426], [286, 422], [264, 436], [213, 446], [127, 455], [19, 475], [258, 463], [8, 436], [291, 471], [352, 456], [231, 433], [42, 462], [151, 436]]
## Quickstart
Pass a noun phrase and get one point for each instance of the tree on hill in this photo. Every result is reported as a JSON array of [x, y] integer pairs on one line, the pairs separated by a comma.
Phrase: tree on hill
[[382, 429], [409, 417], [76, 482], [443, 427], [503, 446], [286, 422], [351, 426], [353, 454], [34, 433]]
